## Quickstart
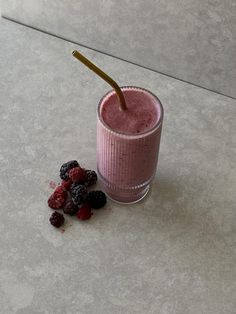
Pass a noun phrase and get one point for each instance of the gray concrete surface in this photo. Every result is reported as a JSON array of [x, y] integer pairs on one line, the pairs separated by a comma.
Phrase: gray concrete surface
[[173, 253], [192, 40]]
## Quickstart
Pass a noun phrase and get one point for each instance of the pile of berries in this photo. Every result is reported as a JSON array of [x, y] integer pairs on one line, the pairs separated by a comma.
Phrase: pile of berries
[[72, 195]]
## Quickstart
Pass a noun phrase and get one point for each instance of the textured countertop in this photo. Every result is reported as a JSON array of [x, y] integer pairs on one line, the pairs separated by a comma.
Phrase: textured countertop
[[173, 253]]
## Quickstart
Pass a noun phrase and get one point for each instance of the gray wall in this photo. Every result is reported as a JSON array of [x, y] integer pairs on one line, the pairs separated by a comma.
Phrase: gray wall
[[193, 40]]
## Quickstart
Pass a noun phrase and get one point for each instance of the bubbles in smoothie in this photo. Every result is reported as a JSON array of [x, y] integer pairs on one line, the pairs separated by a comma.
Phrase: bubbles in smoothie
[[141, 116]]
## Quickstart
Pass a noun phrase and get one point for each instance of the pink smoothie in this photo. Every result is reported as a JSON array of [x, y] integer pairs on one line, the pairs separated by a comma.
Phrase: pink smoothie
[[128, 143]]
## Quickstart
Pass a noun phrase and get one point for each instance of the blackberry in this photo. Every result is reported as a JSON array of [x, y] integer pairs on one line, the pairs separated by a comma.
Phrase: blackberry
[[91, 177], [64, 171], [70, 208], [97, 199], [57, 219], [78, 193]]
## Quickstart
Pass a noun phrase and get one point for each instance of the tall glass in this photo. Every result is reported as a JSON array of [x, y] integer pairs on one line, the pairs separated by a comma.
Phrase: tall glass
[[126, 163]]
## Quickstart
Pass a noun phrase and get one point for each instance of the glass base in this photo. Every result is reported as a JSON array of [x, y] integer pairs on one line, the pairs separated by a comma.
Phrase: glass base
[[127, 197]]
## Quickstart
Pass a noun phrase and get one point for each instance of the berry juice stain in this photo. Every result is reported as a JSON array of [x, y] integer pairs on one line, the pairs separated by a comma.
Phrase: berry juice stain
[[52, 184]]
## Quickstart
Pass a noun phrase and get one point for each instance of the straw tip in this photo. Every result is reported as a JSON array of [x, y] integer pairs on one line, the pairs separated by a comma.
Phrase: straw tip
[[74, 52]]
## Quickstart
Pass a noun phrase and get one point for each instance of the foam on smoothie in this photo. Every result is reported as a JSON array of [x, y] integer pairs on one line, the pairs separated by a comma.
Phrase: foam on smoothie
[[141, 116]]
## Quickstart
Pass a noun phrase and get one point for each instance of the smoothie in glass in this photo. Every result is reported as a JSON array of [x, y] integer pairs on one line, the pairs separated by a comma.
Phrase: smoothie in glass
[[128, 143]]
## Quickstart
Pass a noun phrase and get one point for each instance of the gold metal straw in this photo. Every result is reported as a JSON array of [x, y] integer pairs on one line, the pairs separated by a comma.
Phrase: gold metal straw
[[103, 75]]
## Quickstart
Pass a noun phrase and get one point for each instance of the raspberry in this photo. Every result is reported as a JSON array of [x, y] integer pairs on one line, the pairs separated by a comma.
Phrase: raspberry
[[57, 219], [58, 199], [64, 170], [78, 193], [60, 190], [66, 184], [91, 177], [97, 199], [78, 175], [54, 202], [84, 212], [70, 208]]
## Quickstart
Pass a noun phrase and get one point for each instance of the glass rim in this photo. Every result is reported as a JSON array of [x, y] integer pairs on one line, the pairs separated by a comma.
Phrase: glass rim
[[155, 127]]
